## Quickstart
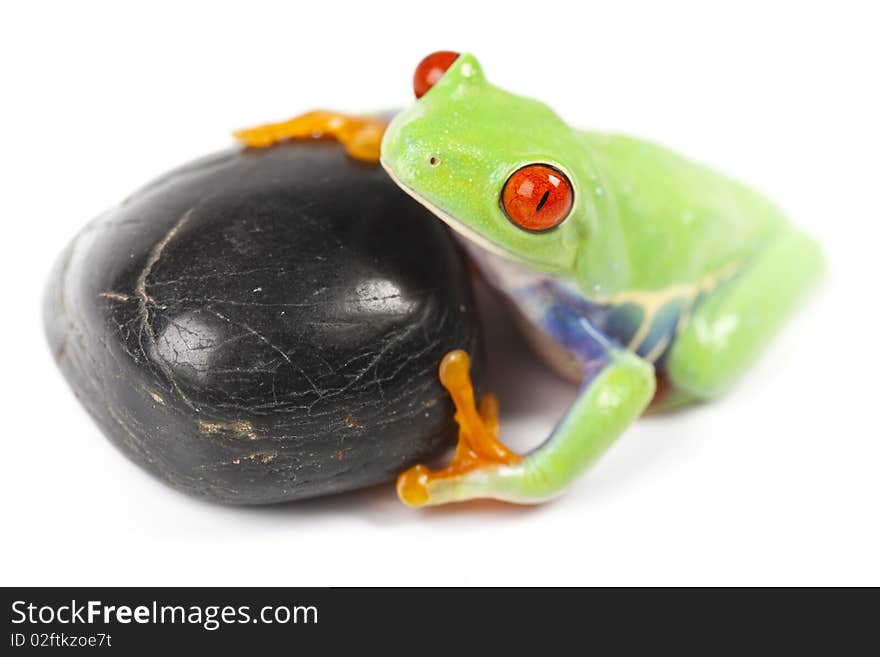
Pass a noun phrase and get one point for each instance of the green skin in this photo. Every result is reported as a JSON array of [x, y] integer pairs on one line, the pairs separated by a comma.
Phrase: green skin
[[644, 221]]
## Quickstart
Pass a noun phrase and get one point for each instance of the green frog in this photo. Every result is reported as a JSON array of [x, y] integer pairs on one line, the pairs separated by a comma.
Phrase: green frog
[[642, 275]]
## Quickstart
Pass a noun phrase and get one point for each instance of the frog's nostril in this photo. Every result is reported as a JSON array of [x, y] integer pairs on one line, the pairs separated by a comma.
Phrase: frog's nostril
[[434, 160]]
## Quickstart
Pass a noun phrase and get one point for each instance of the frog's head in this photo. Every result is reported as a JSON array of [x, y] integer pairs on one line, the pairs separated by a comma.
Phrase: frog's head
[[503, 170]]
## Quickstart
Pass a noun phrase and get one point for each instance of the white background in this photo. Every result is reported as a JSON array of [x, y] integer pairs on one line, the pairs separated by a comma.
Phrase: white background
[[775, 484]]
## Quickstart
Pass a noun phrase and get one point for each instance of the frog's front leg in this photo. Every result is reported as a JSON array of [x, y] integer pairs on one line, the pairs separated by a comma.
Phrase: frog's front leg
[[615, 391], [728, 330], [361, 135]]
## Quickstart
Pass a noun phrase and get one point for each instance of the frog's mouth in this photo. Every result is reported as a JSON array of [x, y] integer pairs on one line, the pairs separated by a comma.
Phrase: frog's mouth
[[465, 231]]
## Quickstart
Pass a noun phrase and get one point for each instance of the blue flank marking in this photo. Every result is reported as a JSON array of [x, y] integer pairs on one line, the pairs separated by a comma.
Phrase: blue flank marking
[[591, 331]]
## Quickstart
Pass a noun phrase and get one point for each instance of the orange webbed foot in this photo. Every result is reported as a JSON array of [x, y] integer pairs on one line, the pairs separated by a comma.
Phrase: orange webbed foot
[[361, 135], [478, 444]]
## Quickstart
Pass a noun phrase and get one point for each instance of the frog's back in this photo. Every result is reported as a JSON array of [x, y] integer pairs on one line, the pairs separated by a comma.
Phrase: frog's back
[[683, 221]]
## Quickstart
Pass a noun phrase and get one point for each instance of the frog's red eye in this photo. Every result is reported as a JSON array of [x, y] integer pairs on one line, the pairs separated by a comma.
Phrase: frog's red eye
[[537, 197], [431, 69]]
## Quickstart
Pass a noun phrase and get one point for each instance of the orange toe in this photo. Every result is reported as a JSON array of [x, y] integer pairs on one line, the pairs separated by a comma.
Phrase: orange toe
[[478, 444], [361, 136]]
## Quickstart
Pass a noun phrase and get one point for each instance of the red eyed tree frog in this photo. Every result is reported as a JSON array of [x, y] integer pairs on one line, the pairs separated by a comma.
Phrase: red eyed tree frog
[[634, 271]]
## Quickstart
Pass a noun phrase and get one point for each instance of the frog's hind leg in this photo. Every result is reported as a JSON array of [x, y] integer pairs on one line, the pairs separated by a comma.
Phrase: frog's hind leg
[[731, 326], [361, 135]]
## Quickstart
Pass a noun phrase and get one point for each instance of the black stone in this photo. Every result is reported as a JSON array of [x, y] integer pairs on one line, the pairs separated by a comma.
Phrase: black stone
[[264, 326]]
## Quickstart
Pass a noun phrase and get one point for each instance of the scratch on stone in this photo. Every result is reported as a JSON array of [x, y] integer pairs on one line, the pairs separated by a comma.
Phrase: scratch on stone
[[241, 428], [374, 361], [145, 300], [116, 296], [155, 254], [254, 333], [134, 441], [256, 457]]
